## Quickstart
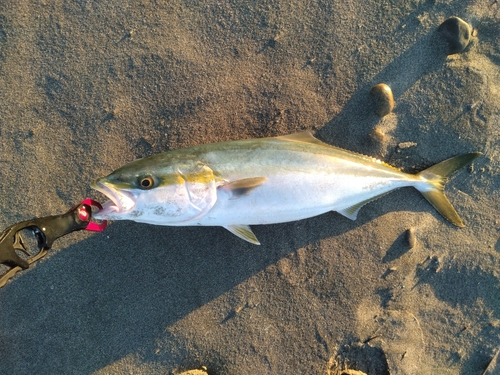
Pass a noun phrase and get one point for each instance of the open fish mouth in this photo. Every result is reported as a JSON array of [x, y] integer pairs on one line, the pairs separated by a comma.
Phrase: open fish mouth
[[120, 201]]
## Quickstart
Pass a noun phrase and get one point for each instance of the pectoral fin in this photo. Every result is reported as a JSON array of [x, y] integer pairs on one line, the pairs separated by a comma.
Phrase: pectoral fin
[[243, 187], [244, 232]]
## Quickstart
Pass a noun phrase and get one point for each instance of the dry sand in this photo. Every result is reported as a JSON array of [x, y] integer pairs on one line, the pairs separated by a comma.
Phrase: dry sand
[[86, 86]]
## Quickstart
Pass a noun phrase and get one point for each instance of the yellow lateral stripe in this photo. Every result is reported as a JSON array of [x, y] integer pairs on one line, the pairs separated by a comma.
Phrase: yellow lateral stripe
[[203, 175]]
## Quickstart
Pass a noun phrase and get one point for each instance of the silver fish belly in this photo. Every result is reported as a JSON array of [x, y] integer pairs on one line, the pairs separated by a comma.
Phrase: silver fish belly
[[261, 181]]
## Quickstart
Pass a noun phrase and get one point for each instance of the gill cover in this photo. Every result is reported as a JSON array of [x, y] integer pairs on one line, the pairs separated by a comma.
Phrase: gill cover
[[184, 193], [198, 188]]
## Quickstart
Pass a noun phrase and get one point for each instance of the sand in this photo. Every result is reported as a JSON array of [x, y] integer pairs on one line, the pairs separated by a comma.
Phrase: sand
[[86, 86]]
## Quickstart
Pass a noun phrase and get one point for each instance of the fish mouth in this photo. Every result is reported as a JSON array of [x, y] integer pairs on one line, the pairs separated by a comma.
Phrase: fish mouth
[[120, 201]]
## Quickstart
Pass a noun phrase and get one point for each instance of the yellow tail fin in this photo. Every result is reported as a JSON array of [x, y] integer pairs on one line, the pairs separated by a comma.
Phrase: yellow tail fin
[[437, 176]]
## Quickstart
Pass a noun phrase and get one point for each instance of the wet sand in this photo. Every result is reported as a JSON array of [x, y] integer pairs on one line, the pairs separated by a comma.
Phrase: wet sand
[[89, 86]]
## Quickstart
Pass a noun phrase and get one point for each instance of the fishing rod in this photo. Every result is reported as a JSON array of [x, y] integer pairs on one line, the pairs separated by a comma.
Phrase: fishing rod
[[45, 230]]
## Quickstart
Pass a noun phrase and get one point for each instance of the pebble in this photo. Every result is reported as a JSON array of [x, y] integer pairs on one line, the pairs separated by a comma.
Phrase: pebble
[[457, 34], [383, 99], [410, 237], [403, 145], [203, 371], [377, 135]]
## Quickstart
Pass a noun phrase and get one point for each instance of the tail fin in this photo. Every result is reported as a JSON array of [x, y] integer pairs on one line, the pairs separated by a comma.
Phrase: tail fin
[[436, 177]]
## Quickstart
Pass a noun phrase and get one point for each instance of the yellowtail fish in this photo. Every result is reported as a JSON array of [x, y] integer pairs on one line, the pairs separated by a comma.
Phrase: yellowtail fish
[[261, 181]]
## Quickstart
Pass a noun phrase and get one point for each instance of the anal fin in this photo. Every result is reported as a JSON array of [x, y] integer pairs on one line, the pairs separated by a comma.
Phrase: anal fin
[[244, 232], [351, 212]]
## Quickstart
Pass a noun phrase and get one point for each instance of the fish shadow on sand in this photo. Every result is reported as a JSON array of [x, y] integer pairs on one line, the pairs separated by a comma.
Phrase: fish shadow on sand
[[113, 294]]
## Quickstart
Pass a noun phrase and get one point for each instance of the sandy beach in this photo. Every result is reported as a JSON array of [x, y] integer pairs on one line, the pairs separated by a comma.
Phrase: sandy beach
[[88, 86]]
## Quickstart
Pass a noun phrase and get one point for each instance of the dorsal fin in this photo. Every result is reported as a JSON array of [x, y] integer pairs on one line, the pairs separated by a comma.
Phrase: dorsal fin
[[305, 136]]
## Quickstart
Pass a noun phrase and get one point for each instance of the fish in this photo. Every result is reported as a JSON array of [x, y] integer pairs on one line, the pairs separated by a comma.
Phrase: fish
[[258, 181]]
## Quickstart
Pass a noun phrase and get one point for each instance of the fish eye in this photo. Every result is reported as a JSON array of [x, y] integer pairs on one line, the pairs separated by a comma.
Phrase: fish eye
[[146, 183]]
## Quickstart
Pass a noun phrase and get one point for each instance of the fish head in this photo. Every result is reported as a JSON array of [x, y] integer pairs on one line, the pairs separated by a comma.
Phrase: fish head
[[122, 198], [153, 191]]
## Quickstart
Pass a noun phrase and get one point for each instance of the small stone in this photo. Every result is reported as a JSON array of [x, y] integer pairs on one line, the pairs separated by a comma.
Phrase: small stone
[[404, 145], [457, 34], [202, 371], [377, 135], [383, 99], [411, 238]]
